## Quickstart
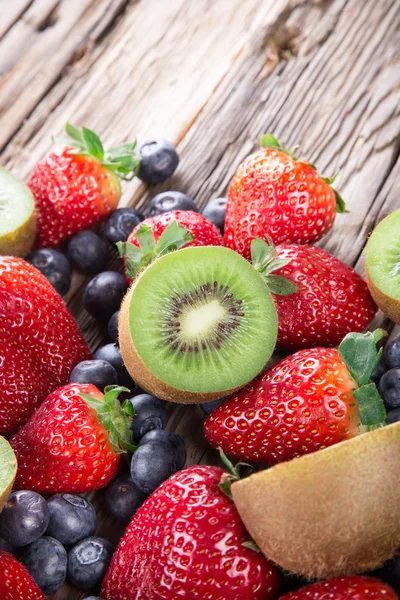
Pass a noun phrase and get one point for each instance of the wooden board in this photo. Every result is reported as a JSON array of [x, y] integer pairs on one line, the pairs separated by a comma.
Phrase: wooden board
[[212, 76]]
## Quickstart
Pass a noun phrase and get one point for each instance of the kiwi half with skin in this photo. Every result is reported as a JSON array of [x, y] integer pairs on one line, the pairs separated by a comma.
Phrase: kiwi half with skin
[[8, 470], [332, 513], [382, 265], [197, 324], [17, 216]]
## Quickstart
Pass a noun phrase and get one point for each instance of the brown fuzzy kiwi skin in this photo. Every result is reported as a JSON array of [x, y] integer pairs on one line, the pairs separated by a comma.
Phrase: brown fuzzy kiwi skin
[[143, 376], [13, 462], [333, 513], [388, 305]]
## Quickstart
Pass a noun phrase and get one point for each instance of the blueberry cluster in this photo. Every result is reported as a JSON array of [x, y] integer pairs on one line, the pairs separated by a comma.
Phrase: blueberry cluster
[[387, 378]]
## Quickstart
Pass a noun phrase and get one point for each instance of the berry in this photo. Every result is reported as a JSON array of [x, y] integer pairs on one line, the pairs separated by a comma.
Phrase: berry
[[112, 327], [150, 414], [24, 518], [389, 386], [169, 201], [209, 407], [121, 223], [54, 266], [158, 160], [72, 518], [123, 499], [112, 354], [215, 212], [170, 439], [87, 252], [353, 588], [6, 546], [15, 581], [390, 572], [46, 561], [377, 374], [88, 562], [393, 416], [97, 372], [103, 294], [391, 354], [152, 464]]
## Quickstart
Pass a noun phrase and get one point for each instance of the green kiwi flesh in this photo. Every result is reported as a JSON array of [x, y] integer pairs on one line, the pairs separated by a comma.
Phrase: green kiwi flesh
[[8, 470], [17, 216], [382, 263], [197, 324]]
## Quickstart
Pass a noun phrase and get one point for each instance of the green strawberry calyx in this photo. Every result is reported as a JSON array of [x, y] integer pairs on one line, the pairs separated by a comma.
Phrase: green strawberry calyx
[[122, 160], [361, 356], [270, 141], [265, 260], [174, 236], [115, 417]]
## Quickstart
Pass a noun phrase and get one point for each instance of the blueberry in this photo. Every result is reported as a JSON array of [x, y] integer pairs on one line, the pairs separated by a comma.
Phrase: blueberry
[[215, 212], [103, 294], [391, 354], [377, 374], [113, 327], [54, 266], [158, 160], [209, 407], [121, 223], [87, 252], [167, 201], [390, 572], [389, 387], [6, 546], [46, 561], [152, 464], [168, 438], [24, 518], [150, 414], [123, 499], [88, 562], [393, 416], [112, 354], [98, 372], [72, 518]]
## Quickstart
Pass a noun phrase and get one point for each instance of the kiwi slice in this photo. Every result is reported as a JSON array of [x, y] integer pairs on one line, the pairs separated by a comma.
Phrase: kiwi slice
[[382, 264], [329, 514], [17, 216], [8, 470], [197, 324]]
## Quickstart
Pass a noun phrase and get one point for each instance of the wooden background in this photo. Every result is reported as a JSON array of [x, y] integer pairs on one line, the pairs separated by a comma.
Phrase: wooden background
[[211, 75]]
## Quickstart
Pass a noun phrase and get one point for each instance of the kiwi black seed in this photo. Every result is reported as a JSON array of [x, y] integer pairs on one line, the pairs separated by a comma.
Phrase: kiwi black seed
[[197, 324]]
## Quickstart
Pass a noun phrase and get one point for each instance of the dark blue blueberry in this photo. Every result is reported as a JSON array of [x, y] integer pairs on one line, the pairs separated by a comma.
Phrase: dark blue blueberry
[[152, 464], [167, 201], [98, 372], [72, 518], [121, 223], [54, 266], [103, 294], [88, 562], [150, 414], [6, 546], [390, 572], [87, 252], [389, 387], [391, 354], [377, 374], [158, 160], [215, 212], [24, 518], [123, 498], [393, 416], [112, 354], [167, 437], [46, 561], [113, 327], [209, 407]]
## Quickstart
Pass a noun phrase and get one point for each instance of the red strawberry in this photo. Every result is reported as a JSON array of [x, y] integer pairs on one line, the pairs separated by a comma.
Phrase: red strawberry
[[15, 581], [73, 443], [186, 541], [306, 402], [77, 186], [40, 342], [273, 193], [346, 588]]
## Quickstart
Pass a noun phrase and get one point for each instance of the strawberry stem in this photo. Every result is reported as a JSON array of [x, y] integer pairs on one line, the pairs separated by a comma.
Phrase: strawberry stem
[[265, 260]]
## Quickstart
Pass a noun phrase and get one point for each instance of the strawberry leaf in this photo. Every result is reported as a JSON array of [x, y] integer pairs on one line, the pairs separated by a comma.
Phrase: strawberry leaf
[[174, 236], [359, 352], [75, 133], [270, 141], [93, 144], [265, 260], [251, 544], [281, 286], [371, 406]]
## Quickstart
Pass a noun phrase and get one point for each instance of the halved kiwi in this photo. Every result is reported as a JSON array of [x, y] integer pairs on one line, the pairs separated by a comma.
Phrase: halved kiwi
[[17, 216], [382, 265], [8, 470], [197, 324], [332, 513]]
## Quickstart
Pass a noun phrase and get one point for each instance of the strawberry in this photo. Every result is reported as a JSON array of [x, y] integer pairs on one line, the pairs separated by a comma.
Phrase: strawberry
[[273, 193], [346, 588], [310, 400], [15, 581], [73, 442], [187, 541], [40, 343], [77, 185]]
